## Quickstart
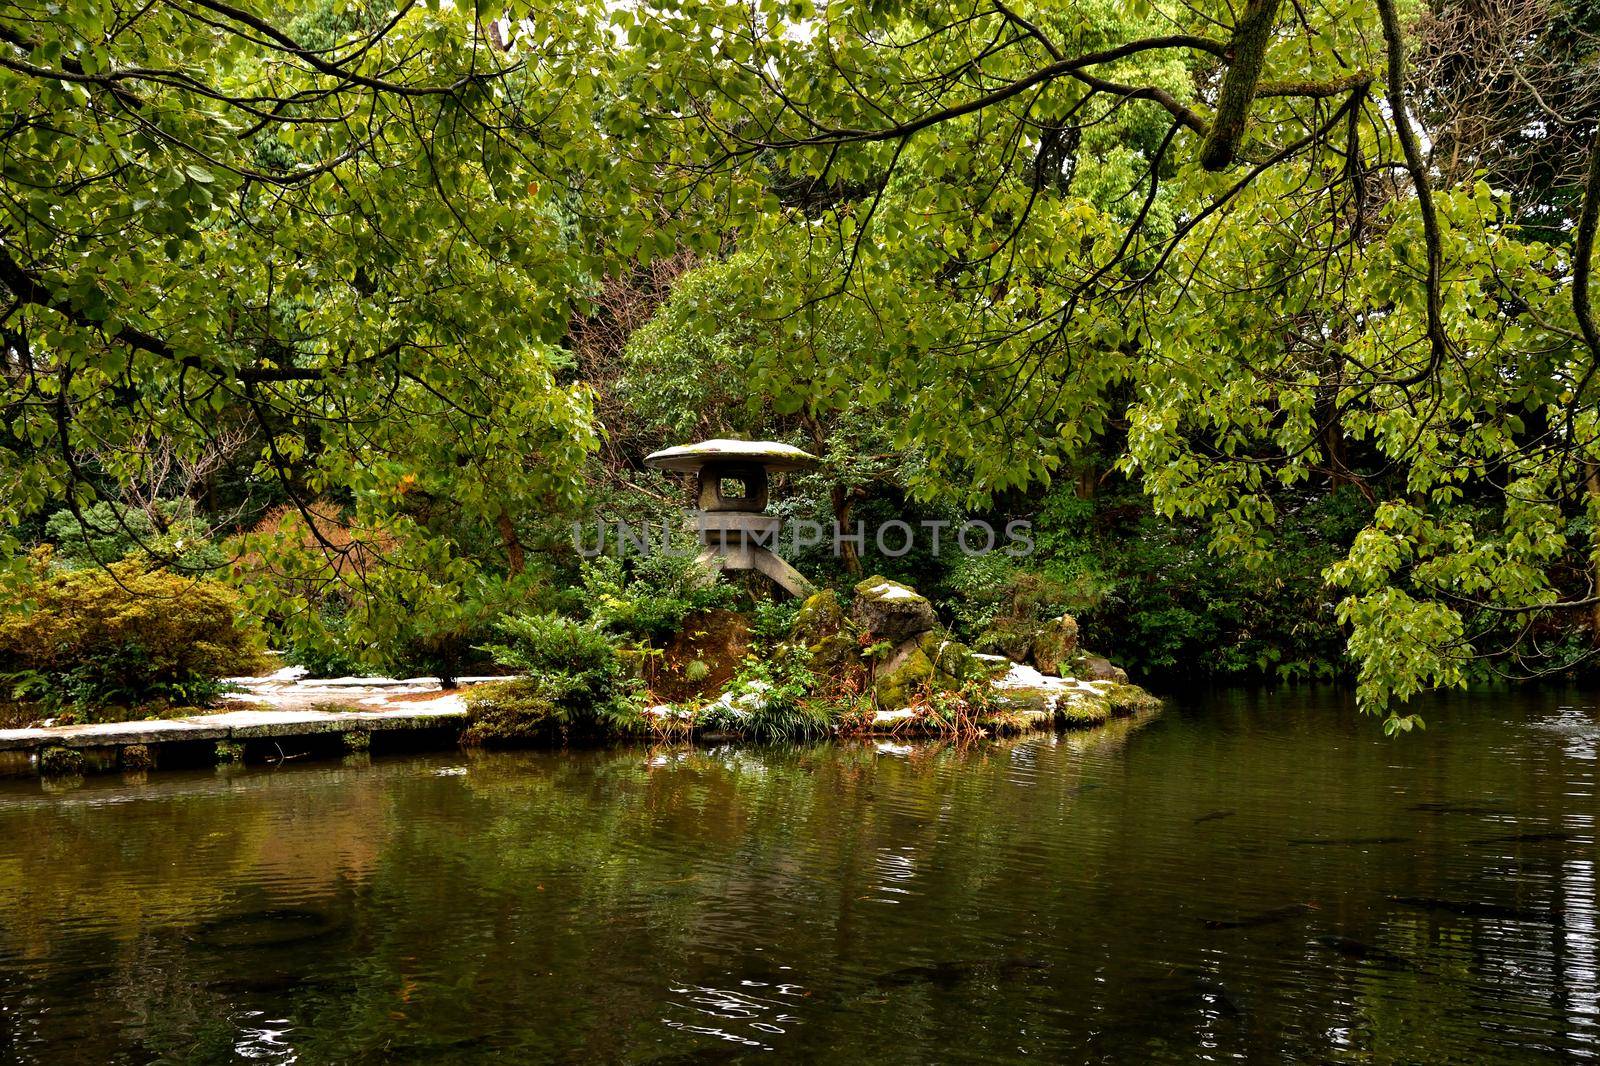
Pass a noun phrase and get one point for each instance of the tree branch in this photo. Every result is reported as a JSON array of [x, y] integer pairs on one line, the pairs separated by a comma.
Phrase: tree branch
[[1247, 52]]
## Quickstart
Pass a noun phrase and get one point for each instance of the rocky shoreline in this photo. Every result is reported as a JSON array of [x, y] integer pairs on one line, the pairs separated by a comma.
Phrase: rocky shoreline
[[883, 668]]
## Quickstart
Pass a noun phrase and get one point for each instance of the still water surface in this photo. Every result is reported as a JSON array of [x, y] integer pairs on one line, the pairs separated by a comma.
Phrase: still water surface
[[1255, 877]]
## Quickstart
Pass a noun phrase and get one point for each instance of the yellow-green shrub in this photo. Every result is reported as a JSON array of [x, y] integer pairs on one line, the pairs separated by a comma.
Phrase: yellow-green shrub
[[126, 634], [508, 714]]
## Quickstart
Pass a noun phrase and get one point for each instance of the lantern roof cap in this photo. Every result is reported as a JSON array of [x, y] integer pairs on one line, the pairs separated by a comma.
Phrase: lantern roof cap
[[689, 458]]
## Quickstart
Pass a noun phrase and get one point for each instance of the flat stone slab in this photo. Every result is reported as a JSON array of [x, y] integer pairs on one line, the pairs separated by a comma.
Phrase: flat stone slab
[[688, 458], [111, 734], [237, 725], [290, 690]]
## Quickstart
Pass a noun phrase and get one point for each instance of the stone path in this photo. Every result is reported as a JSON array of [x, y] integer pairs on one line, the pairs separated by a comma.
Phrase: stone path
[[236, 725], [284, 704]]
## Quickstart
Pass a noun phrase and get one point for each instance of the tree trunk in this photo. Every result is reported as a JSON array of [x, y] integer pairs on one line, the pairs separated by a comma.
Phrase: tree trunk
[[843, 503], [1246, 54], [515, 558]]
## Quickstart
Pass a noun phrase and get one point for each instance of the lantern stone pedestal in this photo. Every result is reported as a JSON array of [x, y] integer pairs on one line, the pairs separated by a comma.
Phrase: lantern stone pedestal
[[731, 523]]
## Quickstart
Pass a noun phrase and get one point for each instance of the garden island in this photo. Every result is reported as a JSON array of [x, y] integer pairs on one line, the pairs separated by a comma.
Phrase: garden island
[[717, 528]]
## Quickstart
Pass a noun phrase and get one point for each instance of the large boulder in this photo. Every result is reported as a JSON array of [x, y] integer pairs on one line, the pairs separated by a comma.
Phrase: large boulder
[[823, 630], [928, 662], [819, 617], [701, 657], [1011, 637], [1054, 644], [1091, 667], [1050, 645], [890, 611]]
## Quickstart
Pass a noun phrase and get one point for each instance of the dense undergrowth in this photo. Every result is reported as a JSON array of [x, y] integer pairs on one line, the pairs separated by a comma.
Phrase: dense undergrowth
[[598, 639]]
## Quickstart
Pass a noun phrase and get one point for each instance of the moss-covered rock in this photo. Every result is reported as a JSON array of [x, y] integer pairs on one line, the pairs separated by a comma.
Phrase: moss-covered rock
[[702, 657], [60, 762], [1029, 700], [1049, 645], [819, 618], [1011, 637], [508, 714], [900, 678], [1130, 699], [1083, 709], [823, 630], [1054, 644], [835, 656], [1088, 666], [930, 661], [953, 660], [890, 611]]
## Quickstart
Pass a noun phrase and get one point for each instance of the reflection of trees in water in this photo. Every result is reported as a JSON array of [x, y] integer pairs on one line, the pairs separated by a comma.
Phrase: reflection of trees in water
[[107, 888], [1060, 893]]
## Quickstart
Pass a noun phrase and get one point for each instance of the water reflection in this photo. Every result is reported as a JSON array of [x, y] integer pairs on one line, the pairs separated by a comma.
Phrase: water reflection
[[1262, 878]]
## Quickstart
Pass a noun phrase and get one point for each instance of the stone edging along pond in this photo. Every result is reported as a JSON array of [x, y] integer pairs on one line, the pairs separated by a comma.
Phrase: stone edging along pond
[[909, 678], [1024, 700]]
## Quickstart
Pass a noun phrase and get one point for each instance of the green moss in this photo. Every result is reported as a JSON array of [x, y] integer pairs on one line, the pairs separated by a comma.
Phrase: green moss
[[1082, 709], [1088, 666], [895, 687], [820, 618], [953, 660], [137, 757], [60, 762], [832, 656], [875, 586], [508, 714], [357, 740], [1028, 700], [933, 662], [1050, 645], [228, 752], [891, 611], [1131, 699], [1011, 637], [1054, 643]]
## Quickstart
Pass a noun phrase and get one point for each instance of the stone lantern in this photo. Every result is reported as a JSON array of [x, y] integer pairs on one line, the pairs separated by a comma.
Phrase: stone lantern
[[731, 499]]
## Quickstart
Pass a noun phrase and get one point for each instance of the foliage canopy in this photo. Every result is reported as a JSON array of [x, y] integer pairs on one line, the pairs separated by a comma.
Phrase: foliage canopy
[[1241, 249]]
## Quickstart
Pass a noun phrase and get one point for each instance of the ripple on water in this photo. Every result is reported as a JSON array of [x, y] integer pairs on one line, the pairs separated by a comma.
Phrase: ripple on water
[[1254, 878]]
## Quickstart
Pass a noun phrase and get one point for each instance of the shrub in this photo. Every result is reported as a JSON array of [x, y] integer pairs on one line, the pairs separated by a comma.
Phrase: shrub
[[774, 620], [110, 532], [573, 681], [1149, 592], [771, 698], [570, 662], [126, 635], [508, 714], [323, 658], [650, 599], [319, 644]]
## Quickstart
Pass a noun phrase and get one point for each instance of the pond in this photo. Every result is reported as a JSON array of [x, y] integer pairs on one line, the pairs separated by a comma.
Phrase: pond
[[1245, 876]]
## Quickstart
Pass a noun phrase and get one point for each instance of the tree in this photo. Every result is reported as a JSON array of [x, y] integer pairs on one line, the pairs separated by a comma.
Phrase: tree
[[355, 232], [1281, 284]]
